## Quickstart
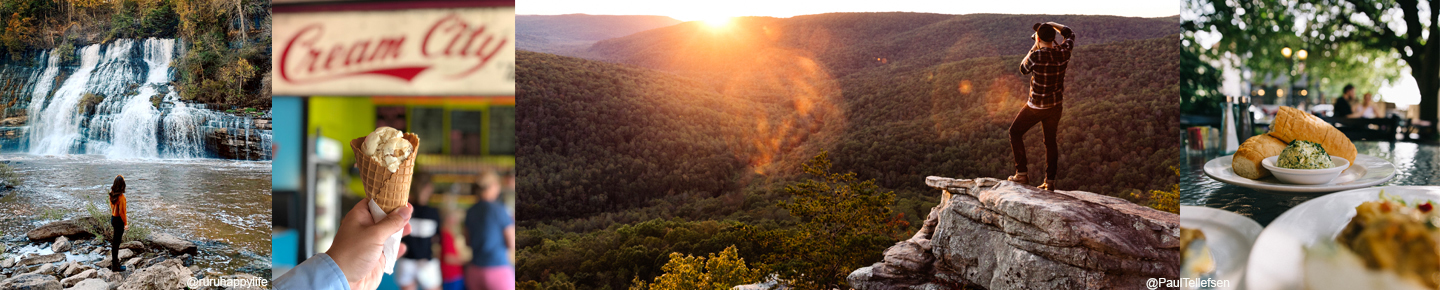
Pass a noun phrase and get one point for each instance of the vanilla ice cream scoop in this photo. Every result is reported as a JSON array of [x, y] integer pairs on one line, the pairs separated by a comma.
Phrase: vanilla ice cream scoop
[[387, 146]]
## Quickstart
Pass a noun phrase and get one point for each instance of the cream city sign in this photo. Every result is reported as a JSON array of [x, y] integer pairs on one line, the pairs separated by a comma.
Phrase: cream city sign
[[431, 52]]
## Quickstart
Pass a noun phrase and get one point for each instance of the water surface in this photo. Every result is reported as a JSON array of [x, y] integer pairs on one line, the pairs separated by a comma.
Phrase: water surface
[[221, 205]]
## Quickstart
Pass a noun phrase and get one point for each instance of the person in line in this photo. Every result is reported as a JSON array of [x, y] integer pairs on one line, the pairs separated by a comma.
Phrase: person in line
[[118, 222], [1046, 64], [356, 261], [1343, 104], [452, 264], [490, 231], [418, 268]]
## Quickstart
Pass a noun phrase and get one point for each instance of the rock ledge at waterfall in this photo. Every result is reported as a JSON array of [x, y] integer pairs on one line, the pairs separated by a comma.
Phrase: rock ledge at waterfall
[[998, 234]]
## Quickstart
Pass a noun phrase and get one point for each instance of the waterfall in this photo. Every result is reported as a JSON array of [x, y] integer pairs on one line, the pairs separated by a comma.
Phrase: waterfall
[[120, 103], [134, 128], [56, 125]]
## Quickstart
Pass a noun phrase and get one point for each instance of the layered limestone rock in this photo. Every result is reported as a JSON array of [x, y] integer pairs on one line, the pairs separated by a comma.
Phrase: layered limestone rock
[[1001, 235]]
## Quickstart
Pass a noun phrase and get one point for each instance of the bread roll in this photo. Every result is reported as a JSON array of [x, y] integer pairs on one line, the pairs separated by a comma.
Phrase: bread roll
[[1247, 159], [1291, 124]]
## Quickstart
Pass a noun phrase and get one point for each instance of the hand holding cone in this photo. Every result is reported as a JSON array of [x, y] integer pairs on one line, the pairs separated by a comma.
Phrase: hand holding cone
[[391, 190]]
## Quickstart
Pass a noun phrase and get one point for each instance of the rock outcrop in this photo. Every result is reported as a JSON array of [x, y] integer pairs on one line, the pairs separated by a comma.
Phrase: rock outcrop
[[170, 274], [1001, 235], [69, 227], [243, 144], [31, 282], [170, 243]]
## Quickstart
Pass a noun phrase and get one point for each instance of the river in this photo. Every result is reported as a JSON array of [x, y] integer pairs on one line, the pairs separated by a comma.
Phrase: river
[[221, 205]]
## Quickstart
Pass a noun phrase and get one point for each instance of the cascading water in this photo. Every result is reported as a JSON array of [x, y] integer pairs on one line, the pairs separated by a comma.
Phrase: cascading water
[[138, 115], [55, 125]]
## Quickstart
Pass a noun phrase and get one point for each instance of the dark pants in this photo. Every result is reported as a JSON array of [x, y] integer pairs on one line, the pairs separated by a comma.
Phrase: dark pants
[[1027, 118], [119, 226]]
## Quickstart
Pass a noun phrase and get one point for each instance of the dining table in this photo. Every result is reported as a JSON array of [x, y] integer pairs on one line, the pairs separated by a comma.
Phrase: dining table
[[1415, 164]]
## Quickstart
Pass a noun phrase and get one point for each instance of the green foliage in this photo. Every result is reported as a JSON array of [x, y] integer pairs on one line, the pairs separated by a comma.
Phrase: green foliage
[[1199, 80], [686, 272], [844, 225], [1348, 41], [51, 214], [557, 281], [9, 175], [99, 225]]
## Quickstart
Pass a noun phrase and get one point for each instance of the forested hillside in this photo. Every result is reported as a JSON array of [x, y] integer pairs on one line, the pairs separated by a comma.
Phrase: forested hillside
[[845, 43], [571, 34], [689, 138]]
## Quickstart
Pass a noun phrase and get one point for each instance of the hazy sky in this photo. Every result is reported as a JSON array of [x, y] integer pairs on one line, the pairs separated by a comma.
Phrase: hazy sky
[[705, 10]]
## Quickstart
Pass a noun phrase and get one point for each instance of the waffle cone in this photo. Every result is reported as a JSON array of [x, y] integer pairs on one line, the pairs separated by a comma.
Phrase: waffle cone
[[389, 190]]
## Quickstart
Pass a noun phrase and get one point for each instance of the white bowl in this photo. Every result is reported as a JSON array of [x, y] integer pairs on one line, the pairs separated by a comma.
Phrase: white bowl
[[1306, 176]]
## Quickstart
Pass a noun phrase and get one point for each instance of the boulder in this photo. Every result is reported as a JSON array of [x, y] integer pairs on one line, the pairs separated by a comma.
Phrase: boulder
[[7, 263], [996, 234], [30, 282], [72, 280], [69, 227], [91, 284], [133, 245], [37, 259], [60, 269], [76, 268], [126, 254], [171, 243], [170, 274], [131, 263], [61, 245], [44, 269]]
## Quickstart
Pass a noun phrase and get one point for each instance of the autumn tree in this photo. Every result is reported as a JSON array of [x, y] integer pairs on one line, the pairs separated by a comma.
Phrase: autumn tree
[[845, 224], [686, 272]]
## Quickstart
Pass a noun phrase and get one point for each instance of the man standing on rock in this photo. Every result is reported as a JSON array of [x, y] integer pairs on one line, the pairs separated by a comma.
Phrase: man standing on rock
[[1046, 64], [118, 222]]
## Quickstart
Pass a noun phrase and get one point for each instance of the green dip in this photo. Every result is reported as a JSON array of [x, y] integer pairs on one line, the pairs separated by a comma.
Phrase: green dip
[[1302, 154]]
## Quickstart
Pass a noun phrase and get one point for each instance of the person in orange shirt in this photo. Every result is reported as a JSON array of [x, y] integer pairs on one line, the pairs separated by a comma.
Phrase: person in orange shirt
[[118, 222]]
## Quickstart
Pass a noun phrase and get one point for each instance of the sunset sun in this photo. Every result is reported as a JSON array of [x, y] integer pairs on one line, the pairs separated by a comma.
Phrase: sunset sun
[[716, 21]]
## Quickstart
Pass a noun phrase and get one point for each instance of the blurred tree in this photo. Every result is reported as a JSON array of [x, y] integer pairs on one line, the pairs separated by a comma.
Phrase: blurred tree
[[1356, 40]]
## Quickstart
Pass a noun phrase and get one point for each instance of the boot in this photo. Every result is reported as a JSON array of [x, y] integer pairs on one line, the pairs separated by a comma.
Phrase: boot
[[1048, 185], [1019, 177]]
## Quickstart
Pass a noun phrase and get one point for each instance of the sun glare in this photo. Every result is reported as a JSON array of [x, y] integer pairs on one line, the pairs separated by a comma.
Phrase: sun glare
[[717, 21]]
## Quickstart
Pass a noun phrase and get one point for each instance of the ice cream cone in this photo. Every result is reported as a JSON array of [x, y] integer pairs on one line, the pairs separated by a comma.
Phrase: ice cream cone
[[389, 189]]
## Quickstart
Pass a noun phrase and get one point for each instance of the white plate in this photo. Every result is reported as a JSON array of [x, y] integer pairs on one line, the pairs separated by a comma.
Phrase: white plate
[[1229, 236], [1279, 251], [1367, 171]]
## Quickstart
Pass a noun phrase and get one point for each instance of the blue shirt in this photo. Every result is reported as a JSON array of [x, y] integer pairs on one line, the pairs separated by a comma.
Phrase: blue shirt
[[319, 272], [486, 222]]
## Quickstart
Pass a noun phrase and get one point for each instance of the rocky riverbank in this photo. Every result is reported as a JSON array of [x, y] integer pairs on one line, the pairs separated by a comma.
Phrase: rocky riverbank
[[64, 255], [1001, 235]]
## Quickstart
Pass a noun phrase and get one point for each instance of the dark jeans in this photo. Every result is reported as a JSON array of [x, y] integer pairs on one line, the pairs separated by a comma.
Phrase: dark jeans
[[1027, 118], [119, 226]]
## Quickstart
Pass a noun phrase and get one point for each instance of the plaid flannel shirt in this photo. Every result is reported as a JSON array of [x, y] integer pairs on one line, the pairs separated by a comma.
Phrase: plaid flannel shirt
[[1047, 83]]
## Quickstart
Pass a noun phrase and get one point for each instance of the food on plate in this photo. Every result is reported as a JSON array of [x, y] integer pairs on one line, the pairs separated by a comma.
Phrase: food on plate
[[1195, 254], [1330, 266], [1389, 235], [1247, 160], [1303, 154], [1293, 124], [386, 158], [1290, 124]]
